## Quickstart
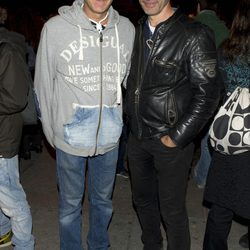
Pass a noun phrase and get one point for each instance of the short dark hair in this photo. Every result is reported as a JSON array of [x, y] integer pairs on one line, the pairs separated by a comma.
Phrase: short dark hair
[[209, 4]]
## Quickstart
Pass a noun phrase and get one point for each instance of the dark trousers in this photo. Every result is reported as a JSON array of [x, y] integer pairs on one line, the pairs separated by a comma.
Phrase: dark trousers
[[218, 227], [159, 177], [122, 150]]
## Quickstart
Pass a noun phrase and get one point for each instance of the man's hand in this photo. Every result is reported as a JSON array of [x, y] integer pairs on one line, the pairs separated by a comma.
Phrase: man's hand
[[167, 141]]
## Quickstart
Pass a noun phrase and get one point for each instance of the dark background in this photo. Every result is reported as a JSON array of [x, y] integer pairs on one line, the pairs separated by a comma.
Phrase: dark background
[[28, 16], [127, 7]]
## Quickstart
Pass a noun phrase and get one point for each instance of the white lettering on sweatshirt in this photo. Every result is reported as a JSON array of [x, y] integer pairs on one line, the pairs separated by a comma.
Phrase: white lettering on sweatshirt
[[91, 42]]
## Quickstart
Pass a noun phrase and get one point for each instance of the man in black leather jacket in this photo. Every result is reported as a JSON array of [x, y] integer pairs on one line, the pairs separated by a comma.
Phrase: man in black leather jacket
[[171, 94]]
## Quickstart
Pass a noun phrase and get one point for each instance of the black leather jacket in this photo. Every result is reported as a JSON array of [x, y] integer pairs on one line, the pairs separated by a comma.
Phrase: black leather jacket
[[175, 92]]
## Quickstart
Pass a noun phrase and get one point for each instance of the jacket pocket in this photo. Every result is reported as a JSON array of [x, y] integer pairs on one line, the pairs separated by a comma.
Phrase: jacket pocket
[[164, 72], [171, 113]]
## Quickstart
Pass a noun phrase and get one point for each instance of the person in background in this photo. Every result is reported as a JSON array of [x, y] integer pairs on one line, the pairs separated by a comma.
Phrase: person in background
[[29, 113], [83, 58], [3, 15], [189, 8], [171, 94], [228, 186], [15, 37], [122, 168], [207, 14], [15, 215]]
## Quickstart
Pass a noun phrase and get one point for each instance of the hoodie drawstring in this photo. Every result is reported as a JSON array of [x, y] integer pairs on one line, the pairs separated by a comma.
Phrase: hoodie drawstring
[[99, 26], [81, 48], [119, 88]]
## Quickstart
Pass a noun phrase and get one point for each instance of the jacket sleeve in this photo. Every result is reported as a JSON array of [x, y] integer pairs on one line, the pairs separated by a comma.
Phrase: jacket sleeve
[[43, 83], [131, 41], [14, 81], [202, 69]]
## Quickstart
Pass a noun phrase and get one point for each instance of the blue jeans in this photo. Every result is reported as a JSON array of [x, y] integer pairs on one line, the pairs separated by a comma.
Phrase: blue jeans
[[202, 166], [15, 212], [71, 182]]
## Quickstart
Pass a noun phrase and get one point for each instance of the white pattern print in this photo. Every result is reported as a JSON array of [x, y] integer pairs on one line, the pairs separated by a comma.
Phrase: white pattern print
[[230, 130]]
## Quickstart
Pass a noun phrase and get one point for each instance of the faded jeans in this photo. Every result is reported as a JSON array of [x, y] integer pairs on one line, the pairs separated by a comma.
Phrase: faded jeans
[[71, 182], [202, 166], [15, 212]]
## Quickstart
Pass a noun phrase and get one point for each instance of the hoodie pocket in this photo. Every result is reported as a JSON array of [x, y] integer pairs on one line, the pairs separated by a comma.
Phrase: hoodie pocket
[[80, 132], [111, 127]]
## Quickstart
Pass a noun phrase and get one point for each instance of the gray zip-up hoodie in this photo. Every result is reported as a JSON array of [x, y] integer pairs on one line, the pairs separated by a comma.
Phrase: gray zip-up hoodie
[[78, 78]]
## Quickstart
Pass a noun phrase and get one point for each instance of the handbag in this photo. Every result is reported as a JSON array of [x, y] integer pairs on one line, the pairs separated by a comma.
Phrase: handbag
[[230, 130]]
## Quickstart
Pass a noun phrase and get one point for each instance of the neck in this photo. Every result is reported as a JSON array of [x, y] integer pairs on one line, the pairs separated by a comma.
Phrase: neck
[[166, 13], [98, 18]]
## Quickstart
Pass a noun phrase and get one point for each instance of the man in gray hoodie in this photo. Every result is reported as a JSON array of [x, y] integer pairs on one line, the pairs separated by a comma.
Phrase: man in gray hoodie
[[82, 60]]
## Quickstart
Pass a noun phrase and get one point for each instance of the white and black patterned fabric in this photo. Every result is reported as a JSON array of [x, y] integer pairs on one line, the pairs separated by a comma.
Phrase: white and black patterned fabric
[[230, 130]]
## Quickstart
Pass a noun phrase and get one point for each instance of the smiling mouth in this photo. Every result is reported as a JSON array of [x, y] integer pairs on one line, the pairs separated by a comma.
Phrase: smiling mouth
[[149, 3]]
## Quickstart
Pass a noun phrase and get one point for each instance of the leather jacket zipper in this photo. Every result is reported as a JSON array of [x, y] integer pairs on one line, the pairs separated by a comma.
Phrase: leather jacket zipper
[[140, 77], [137, 98], [137, 92]]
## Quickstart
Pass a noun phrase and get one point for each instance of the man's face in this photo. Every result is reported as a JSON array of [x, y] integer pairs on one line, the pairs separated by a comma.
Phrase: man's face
[[3, 15], [96, 7], [153, 7]]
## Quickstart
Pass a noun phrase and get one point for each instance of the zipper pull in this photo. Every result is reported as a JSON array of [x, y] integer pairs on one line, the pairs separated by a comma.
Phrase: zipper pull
[[137, 93], [101, 37]]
